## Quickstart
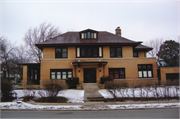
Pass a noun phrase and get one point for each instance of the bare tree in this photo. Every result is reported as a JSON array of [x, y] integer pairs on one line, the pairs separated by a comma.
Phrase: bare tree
[[20, 56], [6, 54], [36, 35], [155, 44]]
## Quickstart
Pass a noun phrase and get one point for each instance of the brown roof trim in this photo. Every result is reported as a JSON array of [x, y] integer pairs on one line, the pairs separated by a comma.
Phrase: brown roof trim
[[29, 64], [40, 46], [143, 48], [89, 63]]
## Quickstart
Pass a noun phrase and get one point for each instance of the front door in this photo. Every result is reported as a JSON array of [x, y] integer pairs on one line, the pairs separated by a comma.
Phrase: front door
[[90, 75]]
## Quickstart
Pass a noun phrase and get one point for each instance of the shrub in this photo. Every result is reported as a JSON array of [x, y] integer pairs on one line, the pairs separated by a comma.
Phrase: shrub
[[6, 91], [113, 88], [174, 82], [105, 79], [72, 82], [50, 92], [52, 89], [52, 99]]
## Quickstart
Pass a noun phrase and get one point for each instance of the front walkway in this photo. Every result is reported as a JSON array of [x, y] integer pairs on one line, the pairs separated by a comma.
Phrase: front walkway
[[91, 91]]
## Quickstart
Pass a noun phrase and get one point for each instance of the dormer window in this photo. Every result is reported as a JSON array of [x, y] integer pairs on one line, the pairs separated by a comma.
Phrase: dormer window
[[88, 34]]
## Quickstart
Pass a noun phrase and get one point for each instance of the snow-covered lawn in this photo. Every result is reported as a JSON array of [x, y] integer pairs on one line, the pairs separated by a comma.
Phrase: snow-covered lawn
[[73, 96], [77, 96]]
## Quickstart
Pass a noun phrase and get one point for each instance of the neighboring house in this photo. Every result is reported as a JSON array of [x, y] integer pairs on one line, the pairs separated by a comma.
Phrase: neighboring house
[[90, 55], [169, 75]]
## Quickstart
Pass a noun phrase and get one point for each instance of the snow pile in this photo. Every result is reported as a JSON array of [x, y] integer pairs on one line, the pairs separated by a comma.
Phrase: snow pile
[[23, 105], [73, 96]]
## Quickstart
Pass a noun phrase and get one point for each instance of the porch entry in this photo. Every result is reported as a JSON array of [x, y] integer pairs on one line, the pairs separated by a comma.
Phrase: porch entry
[[90, 75]]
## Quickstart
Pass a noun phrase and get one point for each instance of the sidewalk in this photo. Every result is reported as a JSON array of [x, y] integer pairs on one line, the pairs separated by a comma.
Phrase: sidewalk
[[90, 105]]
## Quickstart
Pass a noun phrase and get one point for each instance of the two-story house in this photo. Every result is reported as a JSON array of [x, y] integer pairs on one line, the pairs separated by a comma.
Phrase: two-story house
[[90, 55]]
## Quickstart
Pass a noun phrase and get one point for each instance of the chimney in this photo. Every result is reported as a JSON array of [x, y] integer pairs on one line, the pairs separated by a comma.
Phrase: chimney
[[118, 31]]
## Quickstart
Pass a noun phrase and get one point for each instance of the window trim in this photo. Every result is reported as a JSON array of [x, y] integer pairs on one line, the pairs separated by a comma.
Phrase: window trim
[[61, 70], [143, 70], [115, 69], [61, 52], [115, 52]]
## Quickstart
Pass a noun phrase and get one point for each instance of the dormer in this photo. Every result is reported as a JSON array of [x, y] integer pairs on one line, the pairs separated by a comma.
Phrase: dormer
[[88, 34]]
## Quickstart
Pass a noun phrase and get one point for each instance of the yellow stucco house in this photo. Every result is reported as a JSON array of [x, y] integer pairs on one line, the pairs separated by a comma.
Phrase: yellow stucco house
[[90, 55]]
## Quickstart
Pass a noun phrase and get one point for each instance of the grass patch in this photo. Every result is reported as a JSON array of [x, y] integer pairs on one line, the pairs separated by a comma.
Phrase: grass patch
[[52, 99]]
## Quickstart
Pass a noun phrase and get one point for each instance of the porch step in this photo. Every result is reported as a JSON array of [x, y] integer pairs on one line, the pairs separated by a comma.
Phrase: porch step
[[95, 99], [91, 92], [90, 86]]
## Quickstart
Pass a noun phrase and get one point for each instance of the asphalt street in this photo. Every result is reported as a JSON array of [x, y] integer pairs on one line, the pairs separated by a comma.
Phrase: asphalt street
[[142, 113]]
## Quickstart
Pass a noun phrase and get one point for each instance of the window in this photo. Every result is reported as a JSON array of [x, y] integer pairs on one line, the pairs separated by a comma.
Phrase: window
[[89, 52], [61, 73], [116, 52], [145, 71], [61, 53], [88, 35], [135, 54], [117, 73]]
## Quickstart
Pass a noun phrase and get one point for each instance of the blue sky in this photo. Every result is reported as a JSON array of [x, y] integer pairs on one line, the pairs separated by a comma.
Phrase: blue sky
[[138, 20]]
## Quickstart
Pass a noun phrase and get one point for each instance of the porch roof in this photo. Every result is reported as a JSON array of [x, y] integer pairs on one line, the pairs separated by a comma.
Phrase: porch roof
[[89, 63]]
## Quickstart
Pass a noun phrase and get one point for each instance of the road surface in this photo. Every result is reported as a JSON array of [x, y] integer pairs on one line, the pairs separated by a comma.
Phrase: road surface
[[143, 113]]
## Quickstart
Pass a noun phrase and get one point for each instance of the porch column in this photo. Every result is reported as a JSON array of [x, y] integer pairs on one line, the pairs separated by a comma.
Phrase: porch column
[[24, 81]]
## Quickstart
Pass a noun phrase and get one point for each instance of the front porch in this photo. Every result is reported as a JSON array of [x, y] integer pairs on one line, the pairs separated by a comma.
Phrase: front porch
[[31, 75]]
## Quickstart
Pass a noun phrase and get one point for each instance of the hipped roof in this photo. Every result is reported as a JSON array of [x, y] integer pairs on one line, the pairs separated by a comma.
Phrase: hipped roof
[[73, 39]]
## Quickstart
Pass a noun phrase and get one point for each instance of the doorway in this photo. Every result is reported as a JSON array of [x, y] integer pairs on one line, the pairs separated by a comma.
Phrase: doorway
[[90, 75]]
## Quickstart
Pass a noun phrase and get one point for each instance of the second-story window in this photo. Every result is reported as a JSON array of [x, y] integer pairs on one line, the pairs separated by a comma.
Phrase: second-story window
[[89, 52], [61, 53], [116, 52], [135, 54]]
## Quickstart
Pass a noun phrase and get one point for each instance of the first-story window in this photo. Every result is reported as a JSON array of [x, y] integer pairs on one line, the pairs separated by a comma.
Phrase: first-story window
[[61, 73], [117, 73], [53, 75], [145, 70]]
